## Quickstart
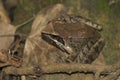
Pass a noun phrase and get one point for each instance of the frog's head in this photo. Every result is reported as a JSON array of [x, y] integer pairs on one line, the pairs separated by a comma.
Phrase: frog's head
[[67, 37], [56, 41]]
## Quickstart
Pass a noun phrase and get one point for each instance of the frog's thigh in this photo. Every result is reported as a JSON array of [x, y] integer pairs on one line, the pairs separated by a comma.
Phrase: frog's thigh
[[95, 50]]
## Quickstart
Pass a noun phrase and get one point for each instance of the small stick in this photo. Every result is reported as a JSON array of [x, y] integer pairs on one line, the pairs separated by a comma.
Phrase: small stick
[[26, 22]]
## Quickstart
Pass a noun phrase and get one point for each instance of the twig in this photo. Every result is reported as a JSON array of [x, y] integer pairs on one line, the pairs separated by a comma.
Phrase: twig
[[112, 76], [18, 26], [67, 68], [26, 22]]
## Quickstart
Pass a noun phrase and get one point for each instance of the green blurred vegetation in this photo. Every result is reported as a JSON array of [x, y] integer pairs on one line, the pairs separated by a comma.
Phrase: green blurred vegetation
[[96, 10]]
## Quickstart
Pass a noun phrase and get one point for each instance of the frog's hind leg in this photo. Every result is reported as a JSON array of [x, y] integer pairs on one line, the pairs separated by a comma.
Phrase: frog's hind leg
[[94, 51], [89, 53]]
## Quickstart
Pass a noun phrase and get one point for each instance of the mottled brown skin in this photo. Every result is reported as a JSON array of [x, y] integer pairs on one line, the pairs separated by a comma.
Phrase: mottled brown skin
[[75, 30], [82, 42]]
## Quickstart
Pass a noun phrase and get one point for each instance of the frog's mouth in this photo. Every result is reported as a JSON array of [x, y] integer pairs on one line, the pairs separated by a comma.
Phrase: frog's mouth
[[56, 41]]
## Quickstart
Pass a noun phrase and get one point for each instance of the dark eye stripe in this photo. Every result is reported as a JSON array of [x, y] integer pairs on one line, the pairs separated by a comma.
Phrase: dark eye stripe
[[59, 39]]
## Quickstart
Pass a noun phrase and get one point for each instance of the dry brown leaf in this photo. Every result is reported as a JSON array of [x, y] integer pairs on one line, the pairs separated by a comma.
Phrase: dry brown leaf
[[33, 51], [3, 14], [6, 29]]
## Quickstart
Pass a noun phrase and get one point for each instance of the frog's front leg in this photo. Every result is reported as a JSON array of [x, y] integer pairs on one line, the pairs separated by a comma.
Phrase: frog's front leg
[[94, 51]]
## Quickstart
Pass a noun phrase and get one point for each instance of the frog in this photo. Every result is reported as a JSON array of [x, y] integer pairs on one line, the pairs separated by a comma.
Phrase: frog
[[77, 37]]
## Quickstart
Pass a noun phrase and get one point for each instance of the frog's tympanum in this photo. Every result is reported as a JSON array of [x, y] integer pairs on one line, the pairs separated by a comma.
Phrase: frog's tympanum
[[80, 41]]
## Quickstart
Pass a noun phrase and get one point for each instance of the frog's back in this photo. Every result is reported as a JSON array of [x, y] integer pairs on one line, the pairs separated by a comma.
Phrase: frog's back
[[76, 30]]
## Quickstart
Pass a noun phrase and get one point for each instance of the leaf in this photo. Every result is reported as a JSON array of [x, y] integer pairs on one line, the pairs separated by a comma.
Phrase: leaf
[[5, 30], [34, 41]]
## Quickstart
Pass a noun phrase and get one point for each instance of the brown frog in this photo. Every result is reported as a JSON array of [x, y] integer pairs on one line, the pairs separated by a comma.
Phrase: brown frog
[[80, 41]]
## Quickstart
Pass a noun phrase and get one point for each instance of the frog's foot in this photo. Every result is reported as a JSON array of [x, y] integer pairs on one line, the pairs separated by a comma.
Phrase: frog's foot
[[94, 51]]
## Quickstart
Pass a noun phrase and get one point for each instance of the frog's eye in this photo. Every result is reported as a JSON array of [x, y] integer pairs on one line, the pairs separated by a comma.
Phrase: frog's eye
[[59, 39], [52, 39]]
